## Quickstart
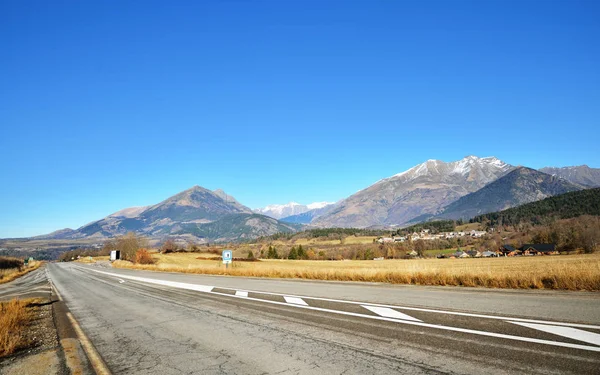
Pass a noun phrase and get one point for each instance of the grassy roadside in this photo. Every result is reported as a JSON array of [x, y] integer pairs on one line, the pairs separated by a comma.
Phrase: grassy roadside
[[8, 275], [572, 272], [14, 318]]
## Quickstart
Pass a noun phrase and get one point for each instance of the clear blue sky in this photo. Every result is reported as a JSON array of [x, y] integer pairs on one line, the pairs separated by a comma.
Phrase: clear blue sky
[[110, 104]]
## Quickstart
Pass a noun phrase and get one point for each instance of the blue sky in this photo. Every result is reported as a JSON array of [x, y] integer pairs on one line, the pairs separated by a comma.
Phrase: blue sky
[[108, 104]]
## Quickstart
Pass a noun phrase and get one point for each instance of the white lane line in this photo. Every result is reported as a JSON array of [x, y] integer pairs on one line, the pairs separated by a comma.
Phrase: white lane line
[[471, 315], [389, 313], [241, 293], [174, 284], [572, 333], [382, 318], [295, 300]]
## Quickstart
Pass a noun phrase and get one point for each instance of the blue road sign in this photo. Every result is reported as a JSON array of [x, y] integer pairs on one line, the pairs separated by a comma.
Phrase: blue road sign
[[227, 256]]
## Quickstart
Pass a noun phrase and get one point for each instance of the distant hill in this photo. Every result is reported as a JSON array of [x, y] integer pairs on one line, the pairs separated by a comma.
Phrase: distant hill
[[423, 189], [523, 185], [564, 206], [237, 227], [582, 174]]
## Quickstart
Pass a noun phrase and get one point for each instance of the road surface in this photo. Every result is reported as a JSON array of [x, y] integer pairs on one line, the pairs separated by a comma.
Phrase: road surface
[[166, 323]]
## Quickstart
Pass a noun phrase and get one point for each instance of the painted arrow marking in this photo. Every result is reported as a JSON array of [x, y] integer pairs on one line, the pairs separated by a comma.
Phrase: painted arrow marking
[[572, 333], [390, 313]]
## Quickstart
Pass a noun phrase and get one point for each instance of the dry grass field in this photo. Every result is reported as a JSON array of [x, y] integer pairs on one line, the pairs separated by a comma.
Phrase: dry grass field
[[14, 317], [10, 274], [566, 272]]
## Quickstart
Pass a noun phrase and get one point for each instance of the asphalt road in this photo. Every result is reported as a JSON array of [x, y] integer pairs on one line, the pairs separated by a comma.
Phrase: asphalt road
[[165, 323], [33, 285]]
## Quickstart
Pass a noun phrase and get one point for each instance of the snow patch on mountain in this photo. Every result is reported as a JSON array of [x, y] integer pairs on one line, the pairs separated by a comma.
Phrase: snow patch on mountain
[[279, 211]]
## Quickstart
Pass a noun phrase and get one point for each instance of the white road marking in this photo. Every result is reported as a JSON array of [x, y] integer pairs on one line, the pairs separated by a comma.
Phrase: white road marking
[[471, 315], [241, 293], [572, 333], [295, 300], [209, 289], [174, 284], [389, 313]]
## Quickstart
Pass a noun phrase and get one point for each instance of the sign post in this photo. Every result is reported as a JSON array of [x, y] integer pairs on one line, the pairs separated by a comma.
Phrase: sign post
[[227, 257]]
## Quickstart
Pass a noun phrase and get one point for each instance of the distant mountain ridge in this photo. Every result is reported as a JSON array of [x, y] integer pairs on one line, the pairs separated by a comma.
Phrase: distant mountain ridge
[[581, 174], [423, 189], [520, 186], [462, 188]]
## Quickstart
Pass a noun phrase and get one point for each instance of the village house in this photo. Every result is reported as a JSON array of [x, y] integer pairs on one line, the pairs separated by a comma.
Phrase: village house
[[477, 233], [539, 249], [489, 254], [385, 240], [509, 251]]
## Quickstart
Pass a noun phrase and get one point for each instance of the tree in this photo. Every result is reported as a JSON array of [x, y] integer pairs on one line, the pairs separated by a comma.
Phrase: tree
[[129, 244], [272, 253], [301, 253], [420, 246], [293, 253], [250, 255]]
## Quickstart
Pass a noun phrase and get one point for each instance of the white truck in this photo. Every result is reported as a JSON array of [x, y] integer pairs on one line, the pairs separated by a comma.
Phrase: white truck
[[114, 255]]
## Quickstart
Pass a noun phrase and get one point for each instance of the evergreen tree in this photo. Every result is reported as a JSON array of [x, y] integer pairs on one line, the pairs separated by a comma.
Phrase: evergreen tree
[[301, 253], [293, 253], [272, 253]]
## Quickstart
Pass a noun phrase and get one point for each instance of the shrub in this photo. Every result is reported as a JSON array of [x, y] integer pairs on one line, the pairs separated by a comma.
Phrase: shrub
[[8, 263], [142, 256], [169, 247]]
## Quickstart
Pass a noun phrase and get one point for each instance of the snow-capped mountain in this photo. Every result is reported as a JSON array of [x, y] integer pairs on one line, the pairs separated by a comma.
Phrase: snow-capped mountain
[[279, 211], [422, 189]]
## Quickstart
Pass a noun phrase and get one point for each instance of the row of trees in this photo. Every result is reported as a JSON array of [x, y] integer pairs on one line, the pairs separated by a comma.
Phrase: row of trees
[[571, 234]]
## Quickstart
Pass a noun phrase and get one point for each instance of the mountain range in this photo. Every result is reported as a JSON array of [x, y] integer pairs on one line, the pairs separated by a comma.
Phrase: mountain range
[[434, 189], [423, 189]]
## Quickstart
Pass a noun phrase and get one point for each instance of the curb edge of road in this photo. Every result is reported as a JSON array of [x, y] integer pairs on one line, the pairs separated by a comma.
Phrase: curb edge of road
[[79, 353]]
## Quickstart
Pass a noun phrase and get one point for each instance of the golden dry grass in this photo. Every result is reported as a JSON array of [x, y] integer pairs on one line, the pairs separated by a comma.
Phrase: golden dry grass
[[14, 273], [349, 240], [14, 317], [569, 272]]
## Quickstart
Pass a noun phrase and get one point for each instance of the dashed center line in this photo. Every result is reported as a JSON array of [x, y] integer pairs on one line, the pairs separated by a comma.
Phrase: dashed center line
[[295, 300], [389, 313]]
